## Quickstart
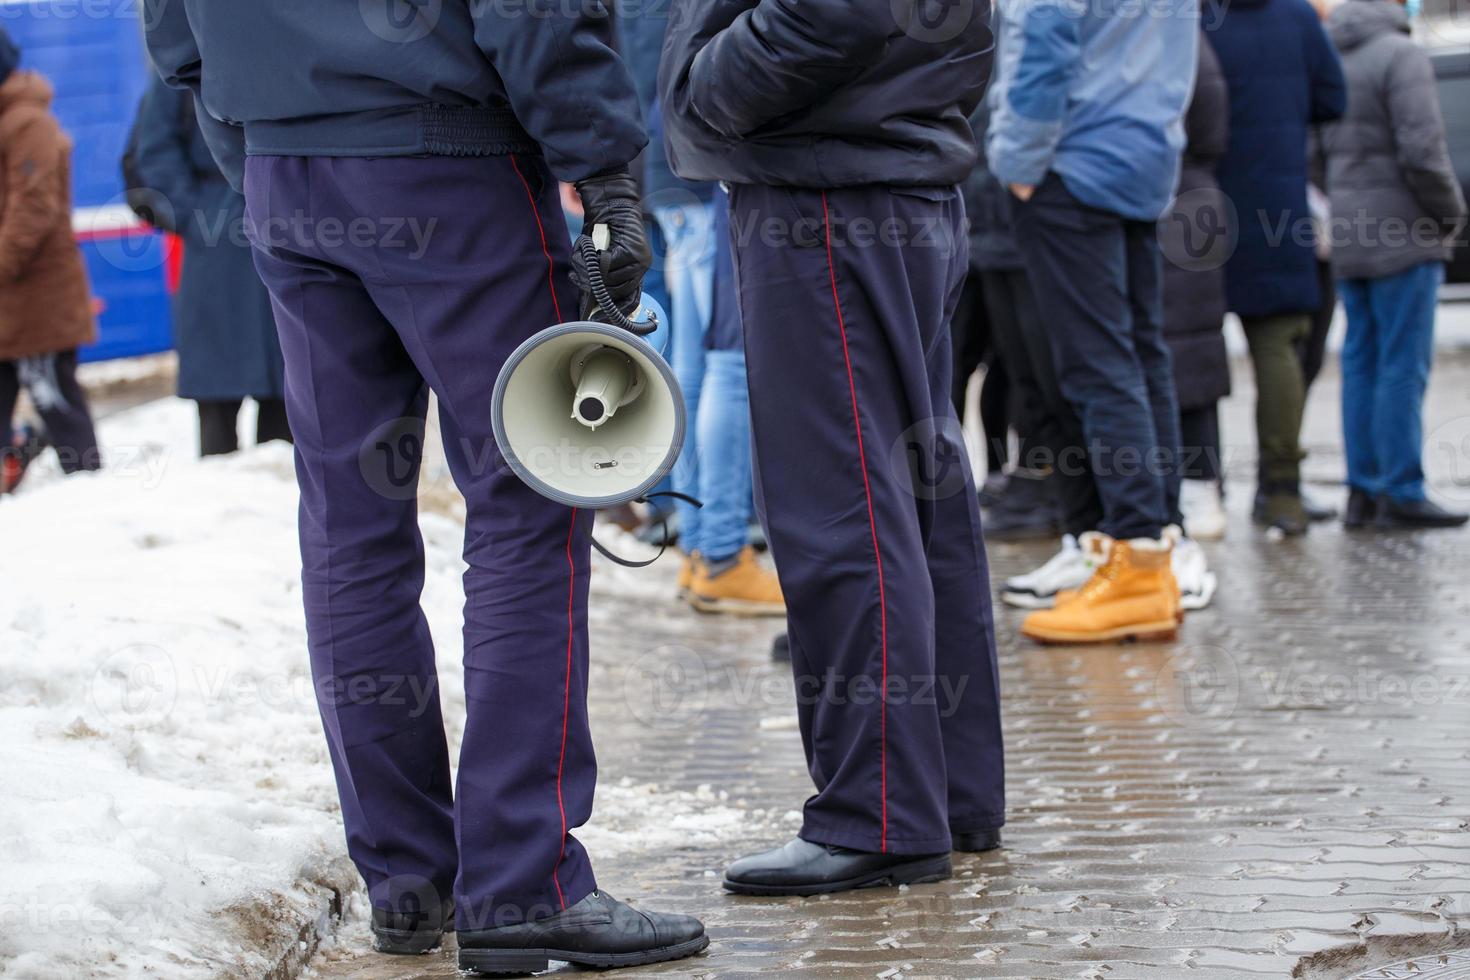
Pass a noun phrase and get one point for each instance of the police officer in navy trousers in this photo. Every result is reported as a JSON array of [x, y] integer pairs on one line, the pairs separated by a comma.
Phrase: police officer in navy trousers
[[841, 128], [400, 164]]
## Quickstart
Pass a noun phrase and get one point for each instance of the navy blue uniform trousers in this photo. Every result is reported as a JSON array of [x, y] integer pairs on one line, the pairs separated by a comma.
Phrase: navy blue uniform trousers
[[865, 490], [374, 312], [1099, 282]]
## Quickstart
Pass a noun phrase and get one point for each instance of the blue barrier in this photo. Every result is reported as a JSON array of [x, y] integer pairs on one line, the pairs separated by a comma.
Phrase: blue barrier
[[92, 52]]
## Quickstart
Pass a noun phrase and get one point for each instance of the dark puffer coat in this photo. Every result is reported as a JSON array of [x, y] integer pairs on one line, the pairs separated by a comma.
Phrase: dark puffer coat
[[823, 93], [1197, 235], [223, 326]]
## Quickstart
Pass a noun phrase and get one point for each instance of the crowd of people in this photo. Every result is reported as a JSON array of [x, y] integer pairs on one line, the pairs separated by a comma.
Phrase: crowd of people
[[1080, 225]]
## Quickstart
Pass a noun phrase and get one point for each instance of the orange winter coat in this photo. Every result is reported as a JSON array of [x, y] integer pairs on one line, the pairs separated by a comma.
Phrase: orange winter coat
[[45, 304]]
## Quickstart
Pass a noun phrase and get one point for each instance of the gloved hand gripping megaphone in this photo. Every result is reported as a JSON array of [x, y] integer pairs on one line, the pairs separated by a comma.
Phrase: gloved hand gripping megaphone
[[589, 413]]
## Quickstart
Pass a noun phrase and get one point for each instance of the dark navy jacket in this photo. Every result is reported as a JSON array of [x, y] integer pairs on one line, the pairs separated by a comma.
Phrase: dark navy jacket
[[1284, 77], [223, 326], [403, 77], [823, 93]]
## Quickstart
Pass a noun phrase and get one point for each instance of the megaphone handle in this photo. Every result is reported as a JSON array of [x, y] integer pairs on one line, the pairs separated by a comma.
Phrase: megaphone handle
[[663, 522], [587, 246]]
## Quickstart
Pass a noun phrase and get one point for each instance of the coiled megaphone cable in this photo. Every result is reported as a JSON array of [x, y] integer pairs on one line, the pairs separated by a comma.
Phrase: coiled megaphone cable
[[588, 250]]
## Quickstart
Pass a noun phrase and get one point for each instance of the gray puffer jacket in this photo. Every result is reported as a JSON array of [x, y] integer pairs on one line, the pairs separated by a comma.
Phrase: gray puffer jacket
[[1395, 200]]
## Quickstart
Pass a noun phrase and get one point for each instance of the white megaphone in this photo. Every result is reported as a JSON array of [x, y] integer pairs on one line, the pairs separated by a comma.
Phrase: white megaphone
[[590, 414]]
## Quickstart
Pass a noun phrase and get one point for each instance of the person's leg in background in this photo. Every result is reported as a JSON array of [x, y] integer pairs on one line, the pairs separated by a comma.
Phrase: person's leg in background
[[1080, 260], [1312, 352], [1146, 299], [995, 412], [1312, 349], [727, 576], [689, 259], [1026, 507], [968, 338], [1058, 448], [271, 423], [1196, 583], [13, 455], [1280, 399], [1404, 308], [218, 421], [1359, 360], [51, 381], [1199, 440]]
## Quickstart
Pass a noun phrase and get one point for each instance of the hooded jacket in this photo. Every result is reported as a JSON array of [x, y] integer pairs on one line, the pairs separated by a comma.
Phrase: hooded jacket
[[45, 305], [393, 78], [1095, 93], [823, 93], [1395, 198]]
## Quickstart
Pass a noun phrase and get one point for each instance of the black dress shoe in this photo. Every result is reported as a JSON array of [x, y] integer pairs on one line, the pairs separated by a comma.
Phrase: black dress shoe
[[983, 840], [804, 868], [1362, 509], [411, 933], [598, 931], [1416, 514]]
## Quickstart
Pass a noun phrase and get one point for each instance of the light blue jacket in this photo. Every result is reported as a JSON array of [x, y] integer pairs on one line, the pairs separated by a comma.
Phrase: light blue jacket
[[1096, 91]]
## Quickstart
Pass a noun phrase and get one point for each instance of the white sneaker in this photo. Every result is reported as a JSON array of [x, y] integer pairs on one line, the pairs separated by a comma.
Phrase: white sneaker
[[1196, 582], [1204, 509], [1069, 568]]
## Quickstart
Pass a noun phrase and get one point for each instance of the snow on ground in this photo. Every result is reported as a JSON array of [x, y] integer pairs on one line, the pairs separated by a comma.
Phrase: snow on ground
[[168, 802]]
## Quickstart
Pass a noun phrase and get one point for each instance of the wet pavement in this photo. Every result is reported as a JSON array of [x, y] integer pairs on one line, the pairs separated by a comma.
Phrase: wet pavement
[[1284, 791]]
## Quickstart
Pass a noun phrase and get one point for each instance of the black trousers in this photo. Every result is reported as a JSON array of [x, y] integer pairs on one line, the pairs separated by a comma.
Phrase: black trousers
[[1055, 438], [51, 381], [1199, 436], [972, 337], [218, 429], [1312, 349], [1099, 285]]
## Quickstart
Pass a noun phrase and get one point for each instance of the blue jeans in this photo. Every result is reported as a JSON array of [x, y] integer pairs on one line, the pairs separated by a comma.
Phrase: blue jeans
[[715, 465], [1385, 369]]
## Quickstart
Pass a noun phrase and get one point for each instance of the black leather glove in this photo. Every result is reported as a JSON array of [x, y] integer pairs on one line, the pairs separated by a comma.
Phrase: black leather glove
[[611, 199]]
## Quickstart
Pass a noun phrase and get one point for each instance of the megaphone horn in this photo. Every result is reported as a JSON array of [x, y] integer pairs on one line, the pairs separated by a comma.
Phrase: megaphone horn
[[589, 414]]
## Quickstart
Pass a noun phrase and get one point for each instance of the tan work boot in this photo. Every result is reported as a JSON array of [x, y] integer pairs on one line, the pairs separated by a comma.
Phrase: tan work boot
[[1096, 547], [740, 587], [1131, 597]]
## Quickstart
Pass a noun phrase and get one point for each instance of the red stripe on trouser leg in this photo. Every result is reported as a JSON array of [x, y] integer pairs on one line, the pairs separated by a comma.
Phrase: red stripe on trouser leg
[[566, 704], [541, 230], [873, 525], [566, 698]]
